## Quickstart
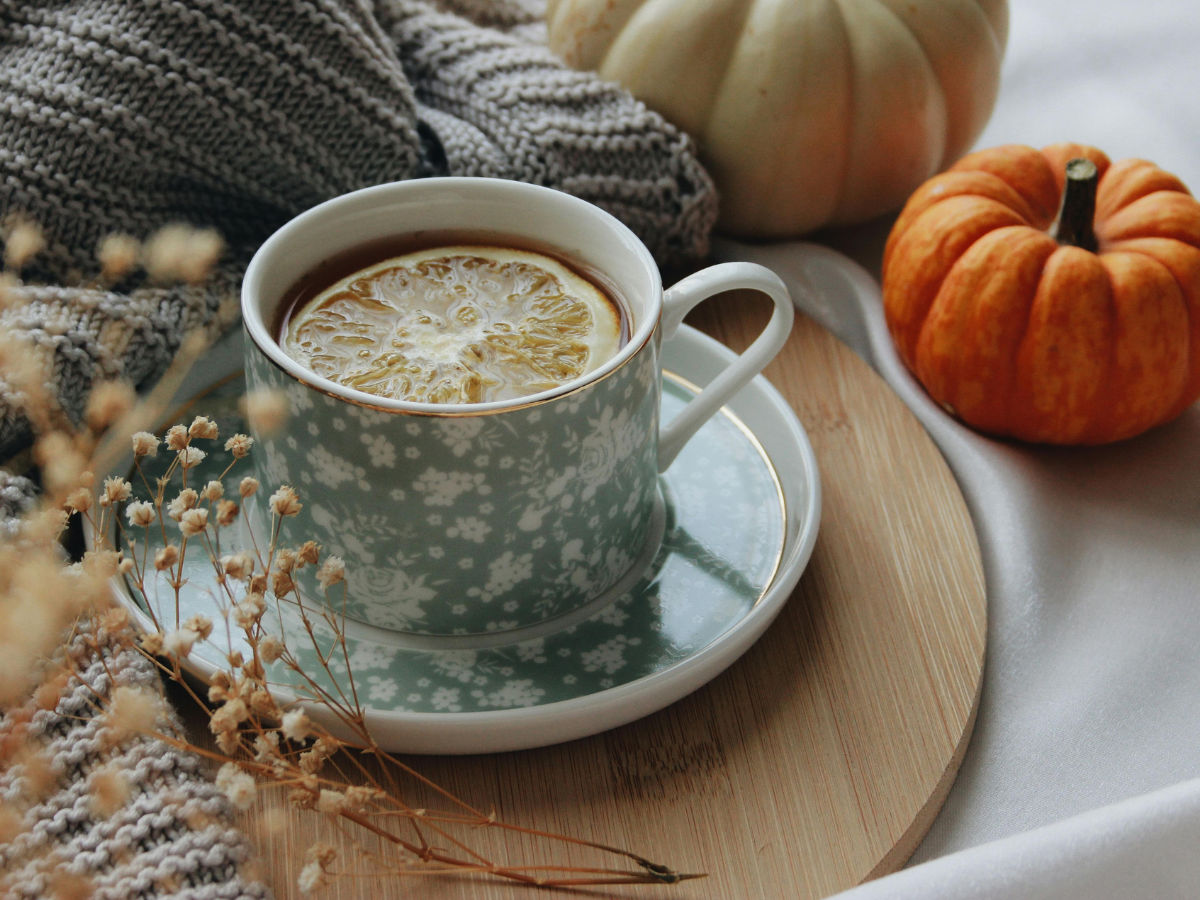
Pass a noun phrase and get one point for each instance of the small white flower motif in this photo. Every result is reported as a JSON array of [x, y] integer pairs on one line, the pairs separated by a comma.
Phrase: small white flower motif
[[507, 571], [631, 504], [614, 614], [482, 461], [413, 698], [506, 462], [423, 682], [313, 429], [538, 542], [458, 609], [510, 606], [435, 520], [572, 551], [466, 563], [516, 693], [569, 679], [397, 494], [608, 657], [371, 656], [564, 651], [469, 528], [381, 689], [299, 399], [412, 453], [531, 518], [291, 442], [443, 488], [380, 450], [331, 471], [413, 429], [339, 424], [559, 484], [436, 552], [458, 434], [532, 650], [370, 418], [445, 698], [534, 416], [456, 664]]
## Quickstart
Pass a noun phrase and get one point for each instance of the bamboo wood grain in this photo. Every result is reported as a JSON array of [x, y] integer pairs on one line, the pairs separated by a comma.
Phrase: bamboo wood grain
[[816, 761]]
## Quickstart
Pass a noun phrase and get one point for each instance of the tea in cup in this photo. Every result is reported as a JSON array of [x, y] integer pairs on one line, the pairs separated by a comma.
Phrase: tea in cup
[[461, 513], [451, 324]]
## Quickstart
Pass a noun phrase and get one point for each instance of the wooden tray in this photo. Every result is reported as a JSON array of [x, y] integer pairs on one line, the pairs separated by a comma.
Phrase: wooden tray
[[820, 758]]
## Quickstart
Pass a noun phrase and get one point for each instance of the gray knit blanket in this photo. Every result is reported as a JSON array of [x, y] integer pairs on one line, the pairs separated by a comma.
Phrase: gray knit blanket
[[127, 115]]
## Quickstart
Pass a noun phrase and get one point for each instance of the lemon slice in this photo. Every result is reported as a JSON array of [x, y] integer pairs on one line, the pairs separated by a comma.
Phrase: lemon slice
[[464, 324]]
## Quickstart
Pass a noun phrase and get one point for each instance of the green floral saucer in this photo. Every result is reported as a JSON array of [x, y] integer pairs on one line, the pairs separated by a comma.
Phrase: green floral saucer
[[738, 521]]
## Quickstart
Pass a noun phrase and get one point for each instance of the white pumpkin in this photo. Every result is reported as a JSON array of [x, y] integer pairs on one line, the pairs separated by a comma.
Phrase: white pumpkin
[[806, 112]]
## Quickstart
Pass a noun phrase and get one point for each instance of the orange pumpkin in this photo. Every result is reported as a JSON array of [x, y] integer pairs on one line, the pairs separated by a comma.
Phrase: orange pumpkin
[[1048, 305]]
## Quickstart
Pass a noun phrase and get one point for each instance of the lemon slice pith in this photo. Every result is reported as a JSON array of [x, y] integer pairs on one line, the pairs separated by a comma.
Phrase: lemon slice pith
[[463, 324]]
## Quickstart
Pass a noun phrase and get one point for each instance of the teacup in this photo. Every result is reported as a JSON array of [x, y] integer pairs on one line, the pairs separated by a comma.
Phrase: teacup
[[484, 518]]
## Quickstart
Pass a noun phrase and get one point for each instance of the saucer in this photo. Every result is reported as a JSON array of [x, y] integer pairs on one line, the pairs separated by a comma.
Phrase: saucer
[[740, 510]]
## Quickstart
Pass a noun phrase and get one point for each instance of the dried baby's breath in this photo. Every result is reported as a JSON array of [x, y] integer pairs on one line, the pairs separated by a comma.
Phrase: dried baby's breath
[[109, 790], [239, 446], [236, 784], [144, 444], [177, 438], [118, 256], [253, 739], [285, 502], [141, 513], [227, 512], [190, 457], [193, 522], [296, 725], [332, 571], [108, 402], [203, 428], [23, 242], [265, 409], [131, 711], [181, 253], [166, 557], [186, 499], [116, 490]]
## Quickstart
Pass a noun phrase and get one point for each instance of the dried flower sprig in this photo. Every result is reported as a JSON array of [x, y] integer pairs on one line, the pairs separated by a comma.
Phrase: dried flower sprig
[[260, 739], [261, 705]]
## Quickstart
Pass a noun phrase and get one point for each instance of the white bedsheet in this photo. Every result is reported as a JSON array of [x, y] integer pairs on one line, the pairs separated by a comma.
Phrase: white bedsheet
[[1082, 779]]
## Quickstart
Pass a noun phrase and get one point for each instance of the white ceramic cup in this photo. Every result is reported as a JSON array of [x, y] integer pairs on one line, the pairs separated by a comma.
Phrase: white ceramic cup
[[467, 519]]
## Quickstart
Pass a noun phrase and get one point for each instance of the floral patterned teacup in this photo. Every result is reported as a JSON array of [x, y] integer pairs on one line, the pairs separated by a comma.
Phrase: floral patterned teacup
[[472, 519]]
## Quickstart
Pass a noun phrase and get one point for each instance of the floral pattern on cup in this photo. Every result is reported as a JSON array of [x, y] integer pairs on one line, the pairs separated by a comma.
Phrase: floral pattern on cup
[[510, 518], [724, 537]]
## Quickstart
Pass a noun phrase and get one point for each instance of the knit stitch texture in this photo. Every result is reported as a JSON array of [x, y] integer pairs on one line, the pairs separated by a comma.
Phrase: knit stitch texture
[[172, 837], [127, 115]]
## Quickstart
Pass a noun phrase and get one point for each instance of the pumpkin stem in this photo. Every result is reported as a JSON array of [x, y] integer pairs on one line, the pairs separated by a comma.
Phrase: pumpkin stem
[[1074, 223]]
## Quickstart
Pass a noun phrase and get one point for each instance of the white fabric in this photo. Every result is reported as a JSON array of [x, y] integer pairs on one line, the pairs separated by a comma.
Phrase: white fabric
[[1081, 778]]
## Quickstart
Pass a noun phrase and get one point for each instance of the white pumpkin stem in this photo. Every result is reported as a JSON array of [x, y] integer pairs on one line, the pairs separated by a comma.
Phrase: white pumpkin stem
[[1073, 226]]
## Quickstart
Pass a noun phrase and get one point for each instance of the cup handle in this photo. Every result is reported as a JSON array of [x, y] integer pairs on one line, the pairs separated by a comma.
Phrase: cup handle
[[679, 300]]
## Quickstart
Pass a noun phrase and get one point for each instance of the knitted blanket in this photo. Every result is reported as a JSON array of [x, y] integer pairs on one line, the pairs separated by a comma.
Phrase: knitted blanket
[[127, 115]]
